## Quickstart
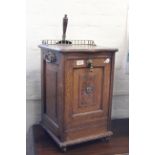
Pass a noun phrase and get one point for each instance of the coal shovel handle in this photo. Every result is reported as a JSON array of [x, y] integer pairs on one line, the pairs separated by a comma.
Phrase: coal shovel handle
[[65, 22]]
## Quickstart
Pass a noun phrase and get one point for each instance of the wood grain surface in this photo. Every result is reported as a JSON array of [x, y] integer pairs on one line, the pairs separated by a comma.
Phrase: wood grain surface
[[77, 85]]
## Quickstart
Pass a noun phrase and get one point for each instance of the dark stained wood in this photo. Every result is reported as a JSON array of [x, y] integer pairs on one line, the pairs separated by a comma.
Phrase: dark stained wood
[[44, 145], [43, 91], [77, 86]]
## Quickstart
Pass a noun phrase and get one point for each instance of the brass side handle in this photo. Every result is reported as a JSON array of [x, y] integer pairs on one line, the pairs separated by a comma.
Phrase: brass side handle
[[50, 57], [90, 64]]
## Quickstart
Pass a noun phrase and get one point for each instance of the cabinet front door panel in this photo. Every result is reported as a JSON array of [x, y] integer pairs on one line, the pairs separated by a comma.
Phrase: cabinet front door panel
[[87, 92]]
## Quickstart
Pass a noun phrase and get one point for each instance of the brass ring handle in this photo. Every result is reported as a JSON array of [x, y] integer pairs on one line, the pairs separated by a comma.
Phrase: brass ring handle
[[50, 57]]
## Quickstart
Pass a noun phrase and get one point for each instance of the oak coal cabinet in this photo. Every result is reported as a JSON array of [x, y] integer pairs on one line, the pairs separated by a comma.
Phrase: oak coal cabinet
[[77, 84]]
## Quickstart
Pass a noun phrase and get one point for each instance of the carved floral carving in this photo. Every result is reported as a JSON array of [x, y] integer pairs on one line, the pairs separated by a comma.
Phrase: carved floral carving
[[87, 90]]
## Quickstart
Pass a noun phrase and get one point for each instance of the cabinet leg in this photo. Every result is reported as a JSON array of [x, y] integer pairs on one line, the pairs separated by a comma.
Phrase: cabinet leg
[[107, 139], [64, 149]]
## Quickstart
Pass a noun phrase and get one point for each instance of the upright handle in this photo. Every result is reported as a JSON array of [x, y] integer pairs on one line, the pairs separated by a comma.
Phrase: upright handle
[[65, 22]]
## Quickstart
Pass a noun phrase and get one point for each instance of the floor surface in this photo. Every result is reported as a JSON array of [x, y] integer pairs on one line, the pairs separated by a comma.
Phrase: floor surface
[[44, 145]]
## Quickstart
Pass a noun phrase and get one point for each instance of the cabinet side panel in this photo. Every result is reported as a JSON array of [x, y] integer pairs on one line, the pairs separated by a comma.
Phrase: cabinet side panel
[[43, 107], [51, 92]]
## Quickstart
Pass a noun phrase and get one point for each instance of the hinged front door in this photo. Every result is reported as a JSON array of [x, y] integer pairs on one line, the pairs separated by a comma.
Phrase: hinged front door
[[87, 83]]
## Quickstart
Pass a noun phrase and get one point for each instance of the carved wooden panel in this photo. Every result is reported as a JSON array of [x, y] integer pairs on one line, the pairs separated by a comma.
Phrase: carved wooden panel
[[87, 94], [51, 92], [87, 90]]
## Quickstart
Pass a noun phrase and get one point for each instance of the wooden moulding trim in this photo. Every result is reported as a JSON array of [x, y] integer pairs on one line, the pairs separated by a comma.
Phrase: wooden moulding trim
[[85, 139], [72, 142]]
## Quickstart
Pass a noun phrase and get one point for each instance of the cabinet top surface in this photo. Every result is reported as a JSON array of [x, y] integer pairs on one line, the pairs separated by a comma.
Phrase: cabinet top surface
[[77, 48]]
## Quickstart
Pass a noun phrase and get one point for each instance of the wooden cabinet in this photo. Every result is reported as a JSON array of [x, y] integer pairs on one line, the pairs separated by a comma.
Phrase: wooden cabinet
[[77, 83]]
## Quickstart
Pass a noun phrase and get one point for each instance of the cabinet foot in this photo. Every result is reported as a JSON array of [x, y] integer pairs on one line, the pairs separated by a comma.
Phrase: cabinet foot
[[64, 149], [107, 139]]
